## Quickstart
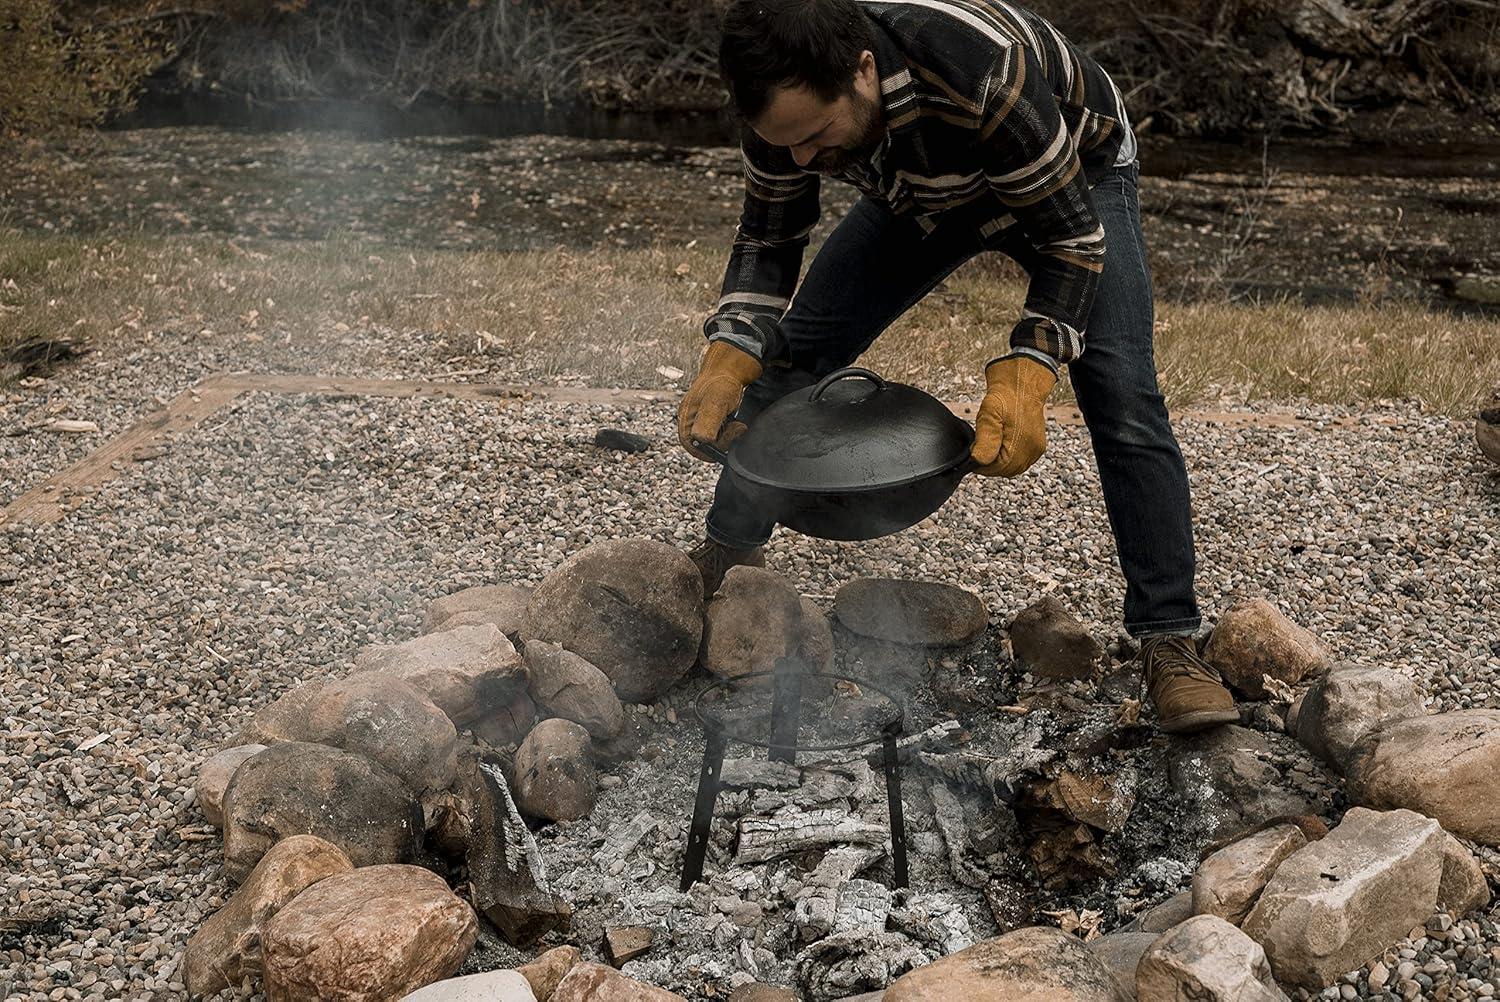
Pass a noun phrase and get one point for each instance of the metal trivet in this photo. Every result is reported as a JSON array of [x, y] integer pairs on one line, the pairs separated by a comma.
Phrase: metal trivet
[[786, 716]]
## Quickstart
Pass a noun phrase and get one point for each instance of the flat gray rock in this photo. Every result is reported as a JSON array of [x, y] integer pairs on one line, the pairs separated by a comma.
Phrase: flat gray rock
[[922, 613]]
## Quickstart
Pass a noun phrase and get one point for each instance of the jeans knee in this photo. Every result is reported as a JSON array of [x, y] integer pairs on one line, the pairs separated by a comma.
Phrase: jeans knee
[[1129, 420]]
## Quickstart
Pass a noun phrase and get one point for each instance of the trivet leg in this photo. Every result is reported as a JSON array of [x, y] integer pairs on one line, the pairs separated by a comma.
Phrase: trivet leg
[[715, 742], [786, 711], [898, 816]]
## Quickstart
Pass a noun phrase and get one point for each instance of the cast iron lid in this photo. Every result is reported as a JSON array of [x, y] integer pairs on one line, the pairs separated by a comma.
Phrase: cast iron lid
[[852, 432]]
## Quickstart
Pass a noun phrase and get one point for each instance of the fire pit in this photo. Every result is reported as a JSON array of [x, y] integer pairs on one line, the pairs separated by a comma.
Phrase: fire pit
[[735, 710]]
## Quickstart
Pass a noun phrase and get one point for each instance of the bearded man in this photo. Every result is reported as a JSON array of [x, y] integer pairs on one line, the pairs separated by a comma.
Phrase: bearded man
[[967, 126]]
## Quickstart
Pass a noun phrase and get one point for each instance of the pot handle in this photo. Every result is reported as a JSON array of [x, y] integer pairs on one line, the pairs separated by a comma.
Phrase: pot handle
[[845, 373], [709, 449]]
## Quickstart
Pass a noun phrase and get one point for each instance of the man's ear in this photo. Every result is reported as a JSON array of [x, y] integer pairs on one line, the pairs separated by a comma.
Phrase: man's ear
[[867, 72]]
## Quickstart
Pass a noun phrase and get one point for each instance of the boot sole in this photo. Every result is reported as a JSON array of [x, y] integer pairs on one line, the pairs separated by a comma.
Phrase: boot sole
[[1202, 720]]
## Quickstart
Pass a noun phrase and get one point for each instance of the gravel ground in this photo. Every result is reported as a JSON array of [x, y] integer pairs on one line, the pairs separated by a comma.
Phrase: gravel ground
[[271, 543]]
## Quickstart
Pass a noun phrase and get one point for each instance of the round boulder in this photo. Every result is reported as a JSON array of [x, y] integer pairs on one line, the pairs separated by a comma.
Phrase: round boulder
[[565, 685], [555, 775], [1442, 765], [378, 716], [1347, 703], [502, 605], [1254, 641], [227, 947], [507, 725], [921, 613], [213, 779], [380, 932], [297, 788], [633, 608], [1487, 429], [753, 620]]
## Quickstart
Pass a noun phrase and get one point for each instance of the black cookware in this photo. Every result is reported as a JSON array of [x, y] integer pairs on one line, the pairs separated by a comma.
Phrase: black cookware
[[854, 457]]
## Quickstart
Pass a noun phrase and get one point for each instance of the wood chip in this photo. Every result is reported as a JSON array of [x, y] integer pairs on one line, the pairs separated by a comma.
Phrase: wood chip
[[625, 943], [71, 427]]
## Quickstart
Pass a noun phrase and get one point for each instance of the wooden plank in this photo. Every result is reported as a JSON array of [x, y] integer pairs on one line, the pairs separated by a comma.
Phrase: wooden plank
[[50, 500]]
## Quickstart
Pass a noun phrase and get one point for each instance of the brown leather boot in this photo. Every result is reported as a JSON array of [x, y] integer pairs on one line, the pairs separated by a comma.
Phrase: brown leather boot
[[1188, 693], [714, 560]]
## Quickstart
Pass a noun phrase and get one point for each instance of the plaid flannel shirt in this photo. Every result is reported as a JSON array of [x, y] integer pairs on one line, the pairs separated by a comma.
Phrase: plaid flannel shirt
[[994, 120]]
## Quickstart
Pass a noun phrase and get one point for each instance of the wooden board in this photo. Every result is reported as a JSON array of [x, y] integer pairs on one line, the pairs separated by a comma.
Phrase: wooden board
[[54, 497]]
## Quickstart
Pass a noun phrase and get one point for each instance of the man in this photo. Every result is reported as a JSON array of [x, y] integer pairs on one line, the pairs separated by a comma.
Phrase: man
[[967, 126]]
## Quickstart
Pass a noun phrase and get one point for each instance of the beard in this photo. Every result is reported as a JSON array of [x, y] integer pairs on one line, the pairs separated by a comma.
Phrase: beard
[[869, 130]]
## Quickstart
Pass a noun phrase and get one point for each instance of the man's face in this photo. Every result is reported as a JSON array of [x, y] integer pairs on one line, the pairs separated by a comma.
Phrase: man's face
[[826, 136]]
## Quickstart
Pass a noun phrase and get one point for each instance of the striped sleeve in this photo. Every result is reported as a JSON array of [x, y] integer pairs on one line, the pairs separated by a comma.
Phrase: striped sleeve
[[781, 209], [1032, 165]]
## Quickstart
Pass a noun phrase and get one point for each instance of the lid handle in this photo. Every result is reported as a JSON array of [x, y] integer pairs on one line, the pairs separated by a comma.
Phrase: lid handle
[[845, 373]]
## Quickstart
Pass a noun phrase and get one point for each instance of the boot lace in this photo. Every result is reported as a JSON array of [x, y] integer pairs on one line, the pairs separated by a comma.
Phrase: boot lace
[[1177, 657]]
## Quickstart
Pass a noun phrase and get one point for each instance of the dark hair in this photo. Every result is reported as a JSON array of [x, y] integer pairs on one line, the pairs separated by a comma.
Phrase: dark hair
[[787, 43]]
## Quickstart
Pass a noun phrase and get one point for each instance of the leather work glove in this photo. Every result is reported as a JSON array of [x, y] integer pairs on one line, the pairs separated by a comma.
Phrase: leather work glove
[[1010, 432], [714, 396]]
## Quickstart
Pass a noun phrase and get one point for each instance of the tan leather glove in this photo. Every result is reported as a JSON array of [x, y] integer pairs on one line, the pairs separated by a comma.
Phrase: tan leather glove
[[1010, 432], [715, 394]]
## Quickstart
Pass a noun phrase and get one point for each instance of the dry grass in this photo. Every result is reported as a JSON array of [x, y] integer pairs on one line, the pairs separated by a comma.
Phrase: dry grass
[[611, 317]]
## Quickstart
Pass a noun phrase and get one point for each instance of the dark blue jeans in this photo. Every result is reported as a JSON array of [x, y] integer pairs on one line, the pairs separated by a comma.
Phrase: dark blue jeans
[[875, 266]]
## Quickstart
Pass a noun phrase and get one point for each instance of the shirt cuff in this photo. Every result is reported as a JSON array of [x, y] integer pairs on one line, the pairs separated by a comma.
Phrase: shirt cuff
[[1031, 353]]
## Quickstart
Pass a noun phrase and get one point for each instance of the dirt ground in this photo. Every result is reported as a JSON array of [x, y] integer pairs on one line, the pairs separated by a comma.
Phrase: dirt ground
[[1316, 221]]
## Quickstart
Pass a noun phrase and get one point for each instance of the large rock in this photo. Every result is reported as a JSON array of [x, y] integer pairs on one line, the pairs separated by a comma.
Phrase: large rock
[[1487, 429], [546, 972], [1462, 888], [1052, 643], [815, 647], [369, 935], [924, 613], [226, 948], [1347, 703], [555, 775], [1443, 765], [1337, 902], [1121, 953], [507, 725], [1038, 964], [1253, 639], [1227, 778], [753, 621], [565, 685], [1165, 914], [1205, 959], [378, 716], [633, 608], [294, 788], [491, 986], [597, 983], [1228, 882], [502, 606], [469, 671], [213, 779]]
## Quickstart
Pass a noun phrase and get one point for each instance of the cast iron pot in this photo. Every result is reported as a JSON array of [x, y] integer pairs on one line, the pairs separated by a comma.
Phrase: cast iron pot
[[854, 457]]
